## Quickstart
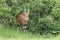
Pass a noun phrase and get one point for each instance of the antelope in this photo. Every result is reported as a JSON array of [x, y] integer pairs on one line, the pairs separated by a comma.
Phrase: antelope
[[23, 19]]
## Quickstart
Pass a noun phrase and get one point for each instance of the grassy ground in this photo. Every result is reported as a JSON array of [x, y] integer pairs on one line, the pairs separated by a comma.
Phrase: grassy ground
[[11, 34]]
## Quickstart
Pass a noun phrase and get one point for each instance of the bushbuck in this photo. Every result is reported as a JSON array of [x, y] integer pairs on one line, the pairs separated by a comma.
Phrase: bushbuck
[[23, 19]]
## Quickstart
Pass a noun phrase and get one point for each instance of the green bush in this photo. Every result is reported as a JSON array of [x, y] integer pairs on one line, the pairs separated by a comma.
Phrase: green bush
[[44, 14]]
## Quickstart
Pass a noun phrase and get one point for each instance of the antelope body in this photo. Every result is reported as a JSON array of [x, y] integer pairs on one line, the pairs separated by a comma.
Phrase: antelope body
[[23, 20]]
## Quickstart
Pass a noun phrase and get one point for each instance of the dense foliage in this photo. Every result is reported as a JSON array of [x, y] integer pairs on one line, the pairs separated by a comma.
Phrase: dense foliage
[[44, 14]]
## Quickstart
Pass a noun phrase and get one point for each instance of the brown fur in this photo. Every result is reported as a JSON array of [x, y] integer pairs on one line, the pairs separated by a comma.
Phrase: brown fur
[[21, 19]]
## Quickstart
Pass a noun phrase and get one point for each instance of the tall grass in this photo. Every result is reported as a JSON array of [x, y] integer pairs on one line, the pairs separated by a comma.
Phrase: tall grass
[[12, 34]]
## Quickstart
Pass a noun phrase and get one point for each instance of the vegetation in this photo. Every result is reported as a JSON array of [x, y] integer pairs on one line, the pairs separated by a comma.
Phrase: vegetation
[[44, 15], [12, 34]]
